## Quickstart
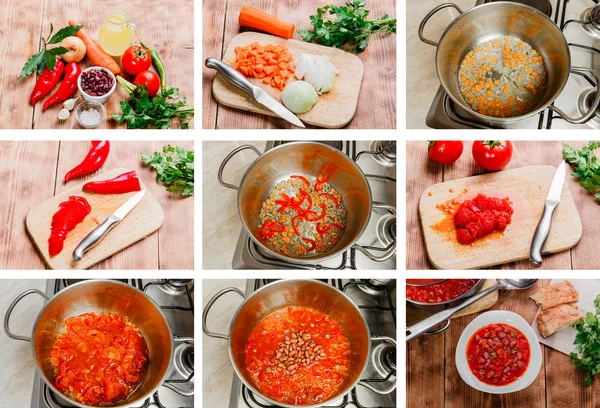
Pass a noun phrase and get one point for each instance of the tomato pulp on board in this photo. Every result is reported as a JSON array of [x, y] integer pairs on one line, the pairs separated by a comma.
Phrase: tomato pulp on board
[[498, 354], [100, 359], [481, 216], [441, 292], [309, 379]]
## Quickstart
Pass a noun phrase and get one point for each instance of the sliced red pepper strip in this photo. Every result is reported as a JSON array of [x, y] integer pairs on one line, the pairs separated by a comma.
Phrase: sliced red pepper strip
[[335, 200], [294, 222], [324, 209], [293, 207], [320, 182], [303, 179], [270, 228], [284, 200], [70, 213], [322, 228], [124, 183], [92, 162], [312, 242]]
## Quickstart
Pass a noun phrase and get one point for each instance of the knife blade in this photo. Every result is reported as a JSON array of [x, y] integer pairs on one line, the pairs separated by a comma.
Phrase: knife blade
[[255, 92], [543, 228], [94, 237]]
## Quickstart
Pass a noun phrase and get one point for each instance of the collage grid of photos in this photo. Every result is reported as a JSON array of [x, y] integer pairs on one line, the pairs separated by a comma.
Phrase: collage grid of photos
[[320, 122]]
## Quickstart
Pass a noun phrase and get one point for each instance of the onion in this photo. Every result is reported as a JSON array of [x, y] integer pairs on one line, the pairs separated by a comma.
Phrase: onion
[[299, 97], [317, 70]]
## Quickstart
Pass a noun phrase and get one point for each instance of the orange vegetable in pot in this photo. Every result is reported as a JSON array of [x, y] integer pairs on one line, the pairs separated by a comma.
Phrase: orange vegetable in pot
[[259, 20]]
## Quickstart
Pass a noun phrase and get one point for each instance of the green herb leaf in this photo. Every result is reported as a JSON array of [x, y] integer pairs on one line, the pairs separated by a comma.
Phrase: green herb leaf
[[34, 63], [587, 344], [64, 33], [50, 61], [174, 167], [57, 51], [586, 166]]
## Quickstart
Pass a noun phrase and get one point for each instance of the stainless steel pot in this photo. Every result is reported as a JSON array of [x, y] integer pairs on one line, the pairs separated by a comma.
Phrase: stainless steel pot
[[312, 159], [102, 296], [305, 293], [492, 20]]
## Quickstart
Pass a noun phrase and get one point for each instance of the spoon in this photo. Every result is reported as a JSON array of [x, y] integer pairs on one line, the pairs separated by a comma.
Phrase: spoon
[[444, 316]]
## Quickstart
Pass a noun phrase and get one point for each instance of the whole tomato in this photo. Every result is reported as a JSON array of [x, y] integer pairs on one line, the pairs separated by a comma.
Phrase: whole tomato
[[149, 80], [445, 151], [136, 59], [492, 154]]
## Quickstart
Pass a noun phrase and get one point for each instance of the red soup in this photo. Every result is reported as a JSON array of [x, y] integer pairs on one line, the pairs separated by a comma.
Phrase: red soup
[[498, 354], [298, 356], [442, 292]]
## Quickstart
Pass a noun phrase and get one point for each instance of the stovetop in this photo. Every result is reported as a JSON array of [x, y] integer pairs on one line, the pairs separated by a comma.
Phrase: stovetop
[[377, 160], [176, 299], [584, 43], [377, 302]]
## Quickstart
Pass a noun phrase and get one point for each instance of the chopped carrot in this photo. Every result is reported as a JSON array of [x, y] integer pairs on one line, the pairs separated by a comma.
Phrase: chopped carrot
[[271, 63]]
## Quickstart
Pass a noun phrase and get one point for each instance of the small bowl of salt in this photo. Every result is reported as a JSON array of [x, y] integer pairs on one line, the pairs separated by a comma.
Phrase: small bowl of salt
[[90, 114]]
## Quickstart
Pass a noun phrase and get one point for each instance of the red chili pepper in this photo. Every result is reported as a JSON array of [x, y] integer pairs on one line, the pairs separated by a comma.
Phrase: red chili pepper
[[324, 208], [312, 242], [322, 228], [293, 207], [284, 200], [320, 182], [70, 213], [303, 179], [46, 82], [270, 228], [303, 196], [335, 200], [294, 222], [92, 162], [124, 183], [67, 87]]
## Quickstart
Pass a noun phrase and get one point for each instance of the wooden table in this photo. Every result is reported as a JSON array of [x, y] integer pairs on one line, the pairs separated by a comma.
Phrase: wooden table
[[377, 101], [166, 26], [422, 172], [433, 381], [32, 172]]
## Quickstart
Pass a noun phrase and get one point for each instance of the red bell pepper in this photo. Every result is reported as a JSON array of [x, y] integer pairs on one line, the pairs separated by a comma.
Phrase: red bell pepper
[[335, 200], [70, 213], [124, 183], [324, 212], [303, 179], [312, 242], [294, 222], [67, 87], [322, 228], [284, 200], [320, 182], [92, 162], [46, 82], [270, 228]]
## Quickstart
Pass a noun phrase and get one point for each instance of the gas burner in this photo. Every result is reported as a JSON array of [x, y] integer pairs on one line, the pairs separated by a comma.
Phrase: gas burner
[[592, 18], [184, 359], [386, 229], [584, 102], [384, 358], [374, 286], [542, 5], [387, 152], [175, 287]]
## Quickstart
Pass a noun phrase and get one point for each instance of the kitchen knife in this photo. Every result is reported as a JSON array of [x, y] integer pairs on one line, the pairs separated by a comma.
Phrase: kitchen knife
[[543, 228], [94, 237], [256, 92]]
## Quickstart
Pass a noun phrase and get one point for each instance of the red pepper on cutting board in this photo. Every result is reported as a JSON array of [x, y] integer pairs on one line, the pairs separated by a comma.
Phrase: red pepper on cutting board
[[70, 213], [124, 183], [67, 87], [46, 82], [92, 162]]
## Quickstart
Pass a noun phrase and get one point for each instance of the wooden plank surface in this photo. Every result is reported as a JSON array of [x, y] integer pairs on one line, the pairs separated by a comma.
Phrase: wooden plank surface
[[377, 100], [422, 173], [527, 188], [335, 108], [168, 27], [559, 384], [33, 173]]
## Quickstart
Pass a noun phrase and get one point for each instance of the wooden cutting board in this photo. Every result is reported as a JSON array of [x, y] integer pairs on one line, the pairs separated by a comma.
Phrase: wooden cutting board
[[414, 315], [527, 188], [143, 220], [335, 108]]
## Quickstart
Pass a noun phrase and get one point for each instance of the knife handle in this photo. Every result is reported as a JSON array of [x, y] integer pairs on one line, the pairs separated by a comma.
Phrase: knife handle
[[541, 235], [94, 237], [231, 75]]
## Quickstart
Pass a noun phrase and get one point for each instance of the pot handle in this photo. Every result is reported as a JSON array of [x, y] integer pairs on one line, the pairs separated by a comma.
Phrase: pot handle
[[389, 251], [591, 112], [169, 383], [11, 308], [429, 15], [226, 160], [207, 309], [369, 386]]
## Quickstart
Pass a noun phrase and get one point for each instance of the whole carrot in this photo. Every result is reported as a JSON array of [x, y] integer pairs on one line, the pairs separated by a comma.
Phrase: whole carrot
[[259, 20], [95, 52]]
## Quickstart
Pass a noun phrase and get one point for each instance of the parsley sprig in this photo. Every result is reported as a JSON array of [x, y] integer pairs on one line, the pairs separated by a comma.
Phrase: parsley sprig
[[587, 344], [349, 26], [586, 165], [174, 167]]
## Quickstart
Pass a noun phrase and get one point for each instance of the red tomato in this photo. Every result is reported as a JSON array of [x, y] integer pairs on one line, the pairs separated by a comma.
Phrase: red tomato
[[136, 59], [492, 154], [149, 80], [445, 151]]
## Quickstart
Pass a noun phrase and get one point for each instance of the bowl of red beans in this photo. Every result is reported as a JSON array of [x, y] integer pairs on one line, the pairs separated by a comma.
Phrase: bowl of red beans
[[439, 293], [498, 353]]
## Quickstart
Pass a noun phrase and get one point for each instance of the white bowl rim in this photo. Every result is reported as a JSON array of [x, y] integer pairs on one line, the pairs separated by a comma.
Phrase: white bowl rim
[[96, 104], [97, 98], [494, 317]]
